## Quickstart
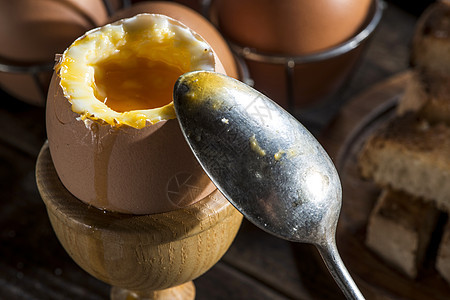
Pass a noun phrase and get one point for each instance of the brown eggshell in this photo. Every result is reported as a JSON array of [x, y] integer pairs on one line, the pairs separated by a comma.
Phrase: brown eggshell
[[128, 170], [290, 26], [196, 5], [313, 83], [191, 19], [94, 10], [35, 30]]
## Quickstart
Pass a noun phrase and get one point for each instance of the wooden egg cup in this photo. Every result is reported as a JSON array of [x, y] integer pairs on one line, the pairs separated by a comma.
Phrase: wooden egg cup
[[141, 256]]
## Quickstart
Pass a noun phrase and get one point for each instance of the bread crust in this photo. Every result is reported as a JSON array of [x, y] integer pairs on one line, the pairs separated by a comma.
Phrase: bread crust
[[428, 95], [410, 155], [431, 41], [399, 230]]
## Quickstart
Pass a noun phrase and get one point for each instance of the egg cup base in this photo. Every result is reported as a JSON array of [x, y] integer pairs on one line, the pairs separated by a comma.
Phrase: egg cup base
[[139, 253], [185, 291]]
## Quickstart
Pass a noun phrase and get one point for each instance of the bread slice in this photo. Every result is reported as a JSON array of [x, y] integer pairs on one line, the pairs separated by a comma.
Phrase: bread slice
[[410, 155], [431, 42], [443, 255], [427, 94], [409, 158], [399, 230], [428, 91]]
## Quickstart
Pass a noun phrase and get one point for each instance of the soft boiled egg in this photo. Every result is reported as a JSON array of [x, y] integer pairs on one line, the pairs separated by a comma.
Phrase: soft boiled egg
[[111, 126]]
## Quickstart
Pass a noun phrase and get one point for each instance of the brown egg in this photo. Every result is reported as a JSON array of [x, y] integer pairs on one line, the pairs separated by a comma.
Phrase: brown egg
[[193, 20], [32, 32], [291, 26], [297, 52], [35, 30], [111, 125], [196, 5], [94, 10]]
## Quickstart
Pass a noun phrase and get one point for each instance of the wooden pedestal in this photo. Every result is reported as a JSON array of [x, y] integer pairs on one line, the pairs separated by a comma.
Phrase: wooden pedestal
[[141, 256]]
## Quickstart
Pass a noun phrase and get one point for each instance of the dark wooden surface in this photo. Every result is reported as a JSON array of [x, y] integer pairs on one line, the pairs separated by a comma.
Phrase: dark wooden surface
[[33, 265]]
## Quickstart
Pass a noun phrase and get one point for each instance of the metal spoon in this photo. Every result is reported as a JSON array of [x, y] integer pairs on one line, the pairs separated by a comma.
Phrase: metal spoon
[[265, 162]]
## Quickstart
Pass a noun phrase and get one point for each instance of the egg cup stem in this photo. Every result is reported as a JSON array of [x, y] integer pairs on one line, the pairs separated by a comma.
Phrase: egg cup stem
[[185, 291], [152, 256]]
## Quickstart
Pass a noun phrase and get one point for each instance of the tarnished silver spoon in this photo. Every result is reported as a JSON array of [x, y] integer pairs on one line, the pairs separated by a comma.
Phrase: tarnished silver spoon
[[267, 164]]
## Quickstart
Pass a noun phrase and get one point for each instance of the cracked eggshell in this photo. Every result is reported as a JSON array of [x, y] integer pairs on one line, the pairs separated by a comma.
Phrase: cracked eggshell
[[191, 19], [122, 168]]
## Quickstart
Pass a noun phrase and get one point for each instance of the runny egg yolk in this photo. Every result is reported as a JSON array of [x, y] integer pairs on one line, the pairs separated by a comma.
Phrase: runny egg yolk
[[141, 84]]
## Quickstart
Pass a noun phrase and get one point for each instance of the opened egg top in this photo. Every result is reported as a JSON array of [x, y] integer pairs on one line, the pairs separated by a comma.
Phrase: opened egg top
[[123, 73], [111, 125]]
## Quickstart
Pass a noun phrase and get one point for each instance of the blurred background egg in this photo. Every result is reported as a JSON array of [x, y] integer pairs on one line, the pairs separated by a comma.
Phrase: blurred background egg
[[197, 5], [291, 26], [35, 30], [32, 32], [297, 52], [94, 10]]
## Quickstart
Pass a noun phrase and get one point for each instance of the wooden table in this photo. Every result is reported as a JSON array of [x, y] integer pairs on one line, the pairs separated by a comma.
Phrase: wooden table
[[33, 265]]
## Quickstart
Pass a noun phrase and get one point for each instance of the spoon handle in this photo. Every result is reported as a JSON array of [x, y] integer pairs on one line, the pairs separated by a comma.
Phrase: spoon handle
[[335, 265]]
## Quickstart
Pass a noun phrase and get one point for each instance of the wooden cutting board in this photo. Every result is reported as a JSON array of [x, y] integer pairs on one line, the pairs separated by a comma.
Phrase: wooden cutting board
[[343, 139]]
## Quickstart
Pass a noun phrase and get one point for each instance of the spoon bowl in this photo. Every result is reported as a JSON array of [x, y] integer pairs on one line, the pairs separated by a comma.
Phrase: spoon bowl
[[265, 162]]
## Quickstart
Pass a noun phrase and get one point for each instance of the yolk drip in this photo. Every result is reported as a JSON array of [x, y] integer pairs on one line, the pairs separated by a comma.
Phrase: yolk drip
[[125, 85]]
